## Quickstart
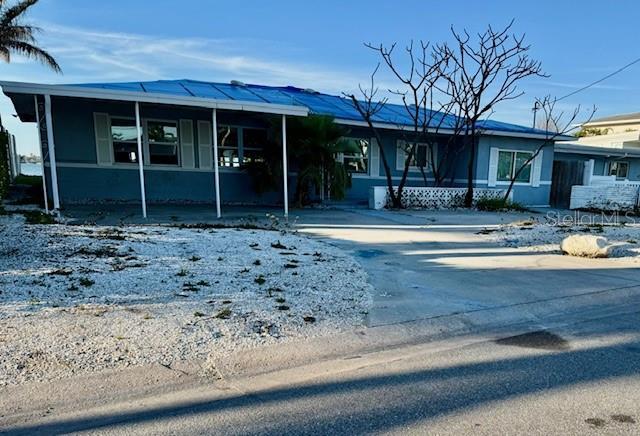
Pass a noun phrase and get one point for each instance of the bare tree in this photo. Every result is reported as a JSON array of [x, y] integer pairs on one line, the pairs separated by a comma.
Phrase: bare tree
[[483, 72], [555, 124], [417, 83], [369, 105]]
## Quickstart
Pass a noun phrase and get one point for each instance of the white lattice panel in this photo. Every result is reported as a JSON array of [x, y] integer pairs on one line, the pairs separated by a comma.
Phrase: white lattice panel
[[434, 198]]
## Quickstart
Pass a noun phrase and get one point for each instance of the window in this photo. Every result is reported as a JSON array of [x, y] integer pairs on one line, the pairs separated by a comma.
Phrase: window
[[356, 157], [228, 154], [124, 137], [253, 142], [163, 142], [421, 157], [619, 169], [509, 162]]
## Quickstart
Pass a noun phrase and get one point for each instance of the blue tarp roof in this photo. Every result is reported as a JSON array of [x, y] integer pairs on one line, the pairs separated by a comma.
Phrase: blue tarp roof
[[317, 103]]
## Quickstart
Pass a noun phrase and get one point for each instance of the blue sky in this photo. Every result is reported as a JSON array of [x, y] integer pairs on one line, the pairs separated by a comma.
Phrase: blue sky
[[319, 44]]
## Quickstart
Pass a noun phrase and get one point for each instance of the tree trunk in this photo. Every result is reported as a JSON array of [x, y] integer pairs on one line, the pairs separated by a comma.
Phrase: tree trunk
[[468, 198]]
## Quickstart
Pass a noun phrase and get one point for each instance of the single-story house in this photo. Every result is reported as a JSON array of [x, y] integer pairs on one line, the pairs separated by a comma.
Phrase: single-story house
[[161, 141]]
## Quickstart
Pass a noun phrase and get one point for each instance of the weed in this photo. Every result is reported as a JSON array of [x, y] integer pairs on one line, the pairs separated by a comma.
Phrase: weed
[[257, 262], [182, 273], [224, 313], [203, 283], [498, 205], [244, 270], [198, 314], [260, 279], [60, 272], [190, 287], [86, 282], [37, 217], [280, 300], [194, 258]]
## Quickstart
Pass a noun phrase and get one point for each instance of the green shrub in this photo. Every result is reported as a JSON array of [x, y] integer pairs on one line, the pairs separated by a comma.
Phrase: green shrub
[[498, 205], [37, 217]]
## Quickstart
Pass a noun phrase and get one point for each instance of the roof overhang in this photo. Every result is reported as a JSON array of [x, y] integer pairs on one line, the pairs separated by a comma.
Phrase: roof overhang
[[149, 97], [483, 132], [597, 123], [593, 150]]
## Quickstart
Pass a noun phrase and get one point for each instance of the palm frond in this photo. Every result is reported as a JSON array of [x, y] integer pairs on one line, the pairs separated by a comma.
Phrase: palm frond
[[31, 51], [15, 11]]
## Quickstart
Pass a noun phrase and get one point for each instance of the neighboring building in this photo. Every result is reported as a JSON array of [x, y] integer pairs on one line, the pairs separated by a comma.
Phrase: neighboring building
[[615, 152], [92, 149]]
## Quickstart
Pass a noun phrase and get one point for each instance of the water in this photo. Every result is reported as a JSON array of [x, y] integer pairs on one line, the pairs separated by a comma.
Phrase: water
[[31, 169]]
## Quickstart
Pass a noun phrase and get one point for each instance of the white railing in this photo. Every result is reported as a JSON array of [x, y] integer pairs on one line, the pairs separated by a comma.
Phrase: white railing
[[430, 197]]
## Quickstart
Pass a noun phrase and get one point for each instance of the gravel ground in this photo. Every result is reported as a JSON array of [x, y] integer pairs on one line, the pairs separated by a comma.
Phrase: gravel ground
[[76, 299], [542, 235]]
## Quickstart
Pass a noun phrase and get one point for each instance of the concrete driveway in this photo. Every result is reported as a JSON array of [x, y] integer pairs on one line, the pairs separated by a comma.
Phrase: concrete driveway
[[426, 265]]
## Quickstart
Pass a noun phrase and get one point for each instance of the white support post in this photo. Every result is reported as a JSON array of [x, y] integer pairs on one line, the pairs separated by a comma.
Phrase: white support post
[[141, 161], [44, 174], [216, 172], [52, 152], [285, 171]]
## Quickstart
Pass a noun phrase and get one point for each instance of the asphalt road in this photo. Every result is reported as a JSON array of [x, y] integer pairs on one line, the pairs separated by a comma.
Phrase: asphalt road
[[578, 379]]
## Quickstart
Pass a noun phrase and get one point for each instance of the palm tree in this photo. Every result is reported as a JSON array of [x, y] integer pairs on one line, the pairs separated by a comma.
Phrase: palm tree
[[16, 37]]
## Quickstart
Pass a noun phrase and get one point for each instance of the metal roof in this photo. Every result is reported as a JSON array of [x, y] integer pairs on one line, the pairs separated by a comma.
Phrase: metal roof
[[273, 99]]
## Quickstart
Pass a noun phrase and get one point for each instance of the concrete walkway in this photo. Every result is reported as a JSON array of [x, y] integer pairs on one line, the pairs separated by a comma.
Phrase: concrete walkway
[[426, 265]]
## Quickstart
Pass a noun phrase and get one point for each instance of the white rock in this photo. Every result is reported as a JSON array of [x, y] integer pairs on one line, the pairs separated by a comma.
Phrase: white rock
[[585, 246]]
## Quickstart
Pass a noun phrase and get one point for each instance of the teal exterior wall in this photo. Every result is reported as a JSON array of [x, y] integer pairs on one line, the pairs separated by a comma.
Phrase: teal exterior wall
[[81, 180]]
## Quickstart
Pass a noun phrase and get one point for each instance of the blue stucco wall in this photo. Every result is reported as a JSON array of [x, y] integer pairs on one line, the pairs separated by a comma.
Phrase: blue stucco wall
[[82, 181], [526, 195]]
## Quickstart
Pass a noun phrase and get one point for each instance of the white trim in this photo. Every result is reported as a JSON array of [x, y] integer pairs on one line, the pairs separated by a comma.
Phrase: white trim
[[150, 97], [44, 174], [140, 161], [515, 151], [216, 171], [442, 131], [285, 169], [52, 151]]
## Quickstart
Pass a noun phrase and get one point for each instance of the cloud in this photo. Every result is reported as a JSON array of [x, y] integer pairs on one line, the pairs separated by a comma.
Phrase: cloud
[[90, 55]]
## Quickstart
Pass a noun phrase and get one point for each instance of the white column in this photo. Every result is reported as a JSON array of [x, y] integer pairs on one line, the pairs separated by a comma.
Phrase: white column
[[216, 172], [44, 175], [285, 171], [52, 151], [141, 161]]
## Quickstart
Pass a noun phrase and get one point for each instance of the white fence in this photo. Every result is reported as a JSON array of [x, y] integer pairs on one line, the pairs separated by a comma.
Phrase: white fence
[[429, 198]]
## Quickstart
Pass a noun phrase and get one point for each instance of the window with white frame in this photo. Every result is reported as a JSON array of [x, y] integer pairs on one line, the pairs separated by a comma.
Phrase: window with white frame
[[356, 158], [253, 143], [124, 137], [228, 147], [619, 169], [509, 162], [162, 139]]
